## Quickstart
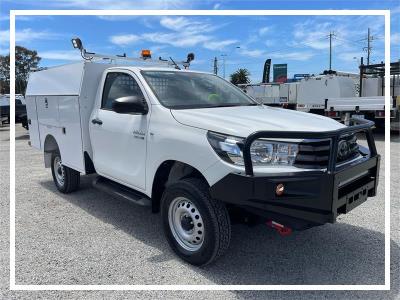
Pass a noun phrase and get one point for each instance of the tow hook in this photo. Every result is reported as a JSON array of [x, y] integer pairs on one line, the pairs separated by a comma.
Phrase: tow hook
[[281, 229]]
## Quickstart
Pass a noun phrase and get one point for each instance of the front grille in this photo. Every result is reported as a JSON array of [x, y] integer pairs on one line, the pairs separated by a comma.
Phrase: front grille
[[315, 153]]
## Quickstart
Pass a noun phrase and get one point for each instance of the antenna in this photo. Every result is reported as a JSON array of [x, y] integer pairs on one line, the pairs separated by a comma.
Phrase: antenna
[[176, 65]]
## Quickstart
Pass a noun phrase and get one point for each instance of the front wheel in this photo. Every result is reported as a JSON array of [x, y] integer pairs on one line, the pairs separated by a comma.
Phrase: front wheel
[[66, 179], [197, 227]]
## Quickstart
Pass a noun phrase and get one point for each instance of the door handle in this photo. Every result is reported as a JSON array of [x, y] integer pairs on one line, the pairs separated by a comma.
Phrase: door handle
[[97, 121]]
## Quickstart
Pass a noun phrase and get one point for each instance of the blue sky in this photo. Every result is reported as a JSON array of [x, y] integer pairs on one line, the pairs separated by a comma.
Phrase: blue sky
[[299, 41]]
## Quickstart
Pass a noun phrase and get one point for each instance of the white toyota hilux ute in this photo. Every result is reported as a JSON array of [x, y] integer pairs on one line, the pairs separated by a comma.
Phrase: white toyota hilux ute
[[197, 149]]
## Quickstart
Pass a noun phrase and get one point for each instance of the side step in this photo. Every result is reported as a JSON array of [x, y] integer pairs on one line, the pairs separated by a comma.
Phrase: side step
[[116, 189]]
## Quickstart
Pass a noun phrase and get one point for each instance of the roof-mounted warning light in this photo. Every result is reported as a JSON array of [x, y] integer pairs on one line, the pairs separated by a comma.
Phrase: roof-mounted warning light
[[146, 54]]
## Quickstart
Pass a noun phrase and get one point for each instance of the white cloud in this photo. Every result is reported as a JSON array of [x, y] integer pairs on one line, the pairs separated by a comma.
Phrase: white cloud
[[60, 55], [182, 32], [189, 32], [112, 4], [352, 56], [217, 6], [395, 39], [294, 55], [124, 39], [254, 53], [175, 24], [311, 34], [174, 39], [288, 55], [27, 35], [4, 36], [219, 45], [349, 32], [186, 25], [4, 17], [199, 62], [264, 30], [395, 10], [117, 18]]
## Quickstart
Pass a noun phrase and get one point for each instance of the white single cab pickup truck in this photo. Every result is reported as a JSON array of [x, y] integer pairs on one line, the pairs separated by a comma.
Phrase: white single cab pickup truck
[[197, 149]]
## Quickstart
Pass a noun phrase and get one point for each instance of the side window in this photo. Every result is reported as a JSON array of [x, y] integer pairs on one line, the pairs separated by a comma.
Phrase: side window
[[118, 85]]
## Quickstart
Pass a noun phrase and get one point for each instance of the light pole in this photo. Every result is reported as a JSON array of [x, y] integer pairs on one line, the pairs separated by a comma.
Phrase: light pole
[[224, 55], [357, 60], [223, 63]]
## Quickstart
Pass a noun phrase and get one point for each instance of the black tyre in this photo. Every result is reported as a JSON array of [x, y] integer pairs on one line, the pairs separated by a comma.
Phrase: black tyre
[[197, 227], [66, 179]]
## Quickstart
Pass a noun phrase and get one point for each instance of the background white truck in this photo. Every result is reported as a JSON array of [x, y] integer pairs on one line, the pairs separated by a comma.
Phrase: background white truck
[[196, 148], [313, 91], [273, 94], [370, 101]]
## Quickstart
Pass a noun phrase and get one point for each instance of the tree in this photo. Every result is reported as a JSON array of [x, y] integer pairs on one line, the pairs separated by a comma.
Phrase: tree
[[4, 74], [25, 61], [240, 76]]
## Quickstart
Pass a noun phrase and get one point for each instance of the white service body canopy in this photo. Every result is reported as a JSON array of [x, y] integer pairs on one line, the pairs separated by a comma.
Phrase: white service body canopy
[[57, 81]]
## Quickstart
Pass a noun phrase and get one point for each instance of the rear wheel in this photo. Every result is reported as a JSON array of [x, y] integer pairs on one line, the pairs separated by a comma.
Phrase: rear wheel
[[66, 179], [197, 227]]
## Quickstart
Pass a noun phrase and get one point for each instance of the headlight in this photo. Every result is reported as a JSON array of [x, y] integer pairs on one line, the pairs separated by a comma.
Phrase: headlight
[[227, 147], [273, 153], [263, 152]]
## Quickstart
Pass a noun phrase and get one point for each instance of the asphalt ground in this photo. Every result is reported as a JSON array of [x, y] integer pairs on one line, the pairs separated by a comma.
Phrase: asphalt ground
[[88, 237]]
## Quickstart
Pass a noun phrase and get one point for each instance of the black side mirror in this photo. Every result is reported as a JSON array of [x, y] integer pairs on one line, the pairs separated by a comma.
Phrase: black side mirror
[[130, 105]]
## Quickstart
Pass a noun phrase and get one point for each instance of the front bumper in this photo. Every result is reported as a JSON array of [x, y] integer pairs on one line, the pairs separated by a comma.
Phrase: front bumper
[[310, 197]]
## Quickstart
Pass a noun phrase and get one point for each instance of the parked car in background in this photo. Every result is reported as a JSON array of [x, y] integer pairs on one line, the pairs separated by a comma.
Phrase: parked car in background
[[20, 109]]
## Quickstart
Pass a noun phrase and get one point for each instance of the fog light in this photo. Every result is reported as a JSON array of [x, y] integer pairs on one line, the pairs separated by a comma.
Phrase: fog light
[[280, 189]]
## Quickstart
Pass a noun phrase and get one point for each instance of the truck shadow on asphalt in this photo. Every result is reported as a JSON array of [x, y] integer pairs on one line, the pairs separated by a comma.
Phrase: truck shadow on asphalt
[[332, 254]]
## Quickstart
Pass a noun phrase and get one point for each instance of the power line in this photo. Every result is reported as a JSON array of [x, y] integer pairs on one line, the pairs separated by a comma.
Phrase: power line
[[357, 43]]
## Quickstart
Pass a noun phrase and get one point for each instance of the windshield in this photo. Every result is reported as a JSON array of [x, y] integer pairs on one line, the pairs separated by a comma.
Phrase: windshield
[[182, 90]]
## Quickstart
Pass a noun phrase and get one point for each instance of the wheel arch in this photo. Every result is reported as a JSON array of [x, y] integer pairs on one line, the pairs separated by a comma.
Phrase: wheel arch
[[168, 172], [50, 146]]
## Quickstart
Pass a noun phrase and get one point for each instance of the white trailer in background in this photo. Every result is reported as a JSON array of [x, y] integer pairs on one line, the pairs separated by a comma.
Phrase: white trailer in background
[[313, 91], [344, 109], [371, 101], [266, 93], [307, 95], [288, 91]]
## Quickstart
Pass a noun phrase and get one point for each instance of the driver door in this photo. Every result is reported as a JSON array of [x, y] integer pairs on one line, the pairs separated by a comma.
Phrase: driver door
[[119, 140]]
